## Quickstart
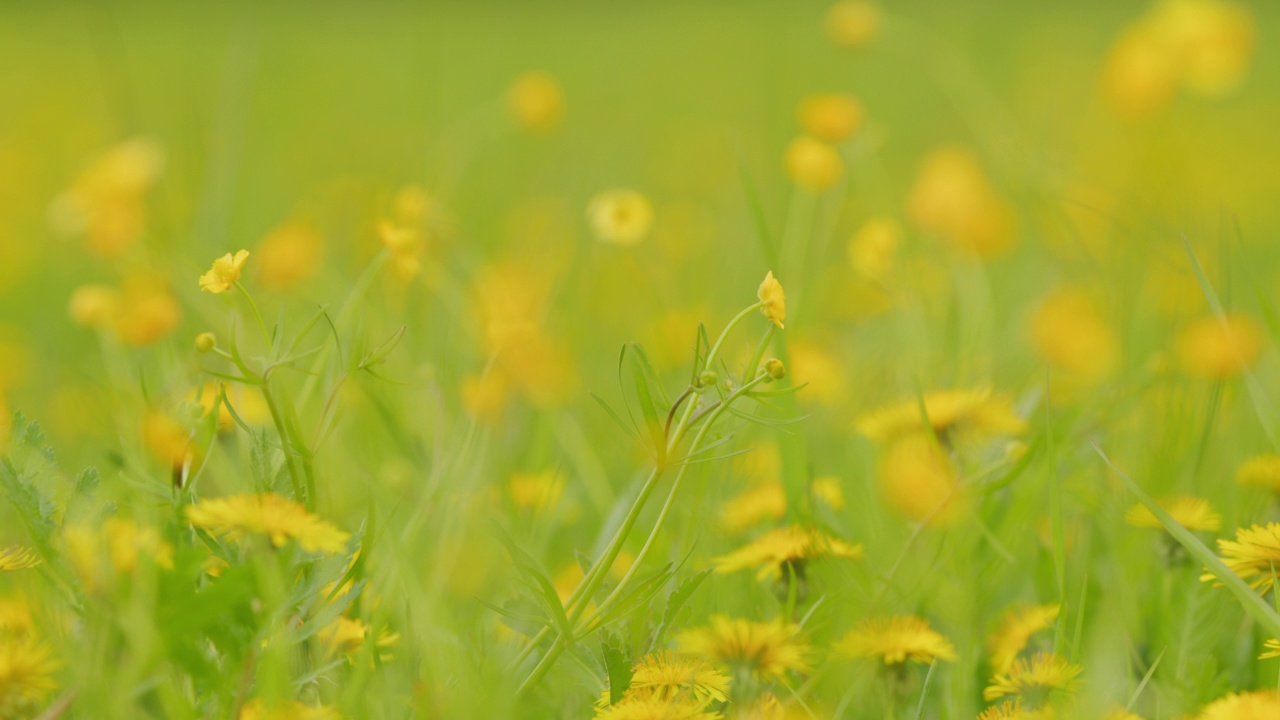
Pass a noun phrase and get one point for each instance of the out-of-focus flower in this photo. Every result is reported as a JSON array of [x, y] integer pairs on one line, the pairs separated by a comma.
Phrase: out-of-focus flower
[[953, 199], [406, 246], [768, 650], [853, 23], [224, 273], [16, 620], [917, 480], [94, 306], [813, 164], [830, 117], [483, 395], [538, 492], [873, 250], [1254, 705], [99, 554], [826, 376], [1192, 513], [1043, 674], [667, 676], [828, 489], [1069, 330], [537, 101], [975, 412], [18, 558], [290, 710], [1015, 710], [248, 403], [288, 255], [275, 516], [1260, 471], [346, 636], [765, 501], [148, 310], [1016, 630], [106, 202], [26, 676], [1220, 348], [656, 707], [774, 300], [792, 545], [620, 217], [166, 439], [895, 640]]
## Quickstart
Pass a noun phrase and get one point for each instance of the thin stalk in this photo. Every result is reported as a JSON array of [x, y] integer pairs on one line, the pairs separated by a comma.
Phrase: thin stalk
[[253, 306], [294, 475]]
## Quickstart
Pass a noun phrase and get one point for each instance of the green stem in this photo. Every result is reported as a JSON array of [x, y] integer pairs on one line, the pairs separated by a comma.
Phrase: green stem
[[711, 356], [253, 306], [285, 446], [758, 355]]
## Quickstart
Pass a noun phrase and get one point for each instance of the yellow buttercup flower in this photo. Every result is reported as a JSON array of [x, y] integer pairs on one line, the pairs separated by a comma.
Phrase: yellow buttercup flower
[[259, 710], [873, 250], [1044, 674], [225, 272], [829, 490], [769, 650], [620, 217], [1218, 349], [18, 558], [953, 200], [148, 310], [537, 101], [275, 516], [831, 117], [106, 202], [790, 545], [1260, 471], [26, 676], [1016, 630], [853, 23], [895, 640], [94, 305], [406, 245], [1070, 331], [1192, 513], [774, 299], [813, 164], [975, 412], [1257, 705], [98, 554], [765, 501], [288, 255]]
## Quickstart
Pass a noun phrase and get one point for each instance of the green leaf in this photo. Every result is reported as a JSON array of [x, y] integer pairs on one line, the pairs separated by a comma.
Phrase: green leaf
[[676, 602], [616, 666]]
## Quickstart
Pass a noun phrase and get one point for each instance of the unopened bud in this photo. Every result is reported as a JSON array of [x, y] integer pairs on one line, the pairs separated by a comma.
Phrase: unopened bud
[[707, 378], [206, 342], [775, 368]]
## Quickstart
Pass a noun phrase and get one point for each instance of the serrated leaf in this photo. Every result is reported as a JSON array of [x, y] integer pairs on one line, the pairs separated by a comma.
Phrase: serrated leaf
[[616, 666], [676, 602]]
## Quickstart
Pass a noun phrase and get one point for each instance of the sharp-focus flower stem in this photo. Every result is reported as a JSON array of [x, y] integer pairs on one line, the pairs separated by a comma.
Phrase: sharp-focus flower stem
[[253, 306]]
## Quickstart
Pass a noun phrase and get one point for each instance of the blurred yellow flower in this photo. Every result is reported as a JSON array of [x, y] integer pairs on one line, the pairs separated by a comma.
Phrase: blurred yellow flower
[[620, 217], [148, 311], [1251, 555], [98, 554], [18, 558], [1069, 330], [791, 545], [1220, 348], [1015, 710], [537, 101], [538, 492], [1260, 471], [667, 676], [105, 204], [829, 490], [769, 650], [1016, 630], [1192, 513], [15, 617], [896, 640], [764, 501], [275, 516], [774, 300], [483, 395], [825, 376], [830, 117], [406, 246], [166, 439], [853, 23], [974, 412], [1043, 674], [248, 403], [873, 250], [813, 164], [26, 676], [1256, 705], [225, 272], [916, 479], [94, 306], [1272, 649], [655, 707], [346, 636], [953, 199], [290, 710], [288, 255]]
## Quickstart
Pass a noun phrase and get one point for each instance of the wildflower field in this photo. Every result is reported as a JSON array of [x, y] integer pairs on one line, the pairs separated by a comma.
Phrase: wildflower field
[[640, 361]]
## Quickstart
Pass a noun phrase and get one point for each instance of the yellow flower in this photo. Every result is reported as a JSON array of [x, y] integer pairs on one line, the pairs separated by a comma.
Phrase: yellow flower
[[269, 514], [1043, 674], [1122, 714], [813, 164], [774, 300], [406, 246], [116, 547], [790, 545], [1015, 710], [166, 438], [764, 501], [1069, 330], [1260, 471], [1257, 705], [1272, 649], [853, 23], [106, 202], [828, 489], [148, 311], [94, 306], [1015, 632], [620, 217], [825, 376], [346, 636], [26, 676], [537, 101], [483, 395], [258, 710], [1140, 75], [1218, 349], [224, 273], [15, 618], [917, 480], [873, 250], [539, 492], [1251, 555], [832, 117], [1192, 513], [288, 255], [18, 558], [653, 707], [953, 199], [897, 639], [976, 412], [667, 676], [769, 650]]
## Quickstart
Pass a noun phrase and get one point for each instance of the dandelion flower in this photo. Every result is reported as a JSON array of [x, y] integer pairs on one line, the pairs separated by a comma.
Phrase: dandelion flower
[[1251, 555], [269, 514], [953, 199], [1069, 330], [896, 640], [792, 545], [653, 707], [667, 676], [976, 411], [1260, 471], [813, 164], [873, 250], [773, 299], [916, 479], [1257, 705], [1016, 630], [18, 558], [1219, 349], [536, 101], [346, 636], [1192, 513], [96, 554], [853, 23], [26, 676], [225, 272], [769, 650], [1034, 679], [764, 501], [1272, 649], [258, 710], [620, 217], [828, 489], [832, 117]]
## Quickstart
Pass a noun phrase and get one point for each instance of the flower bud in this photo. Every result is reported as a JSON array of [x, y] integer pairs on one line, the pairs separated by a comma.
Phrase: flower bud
[[206, 342], [707, 378], [775, 368]]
